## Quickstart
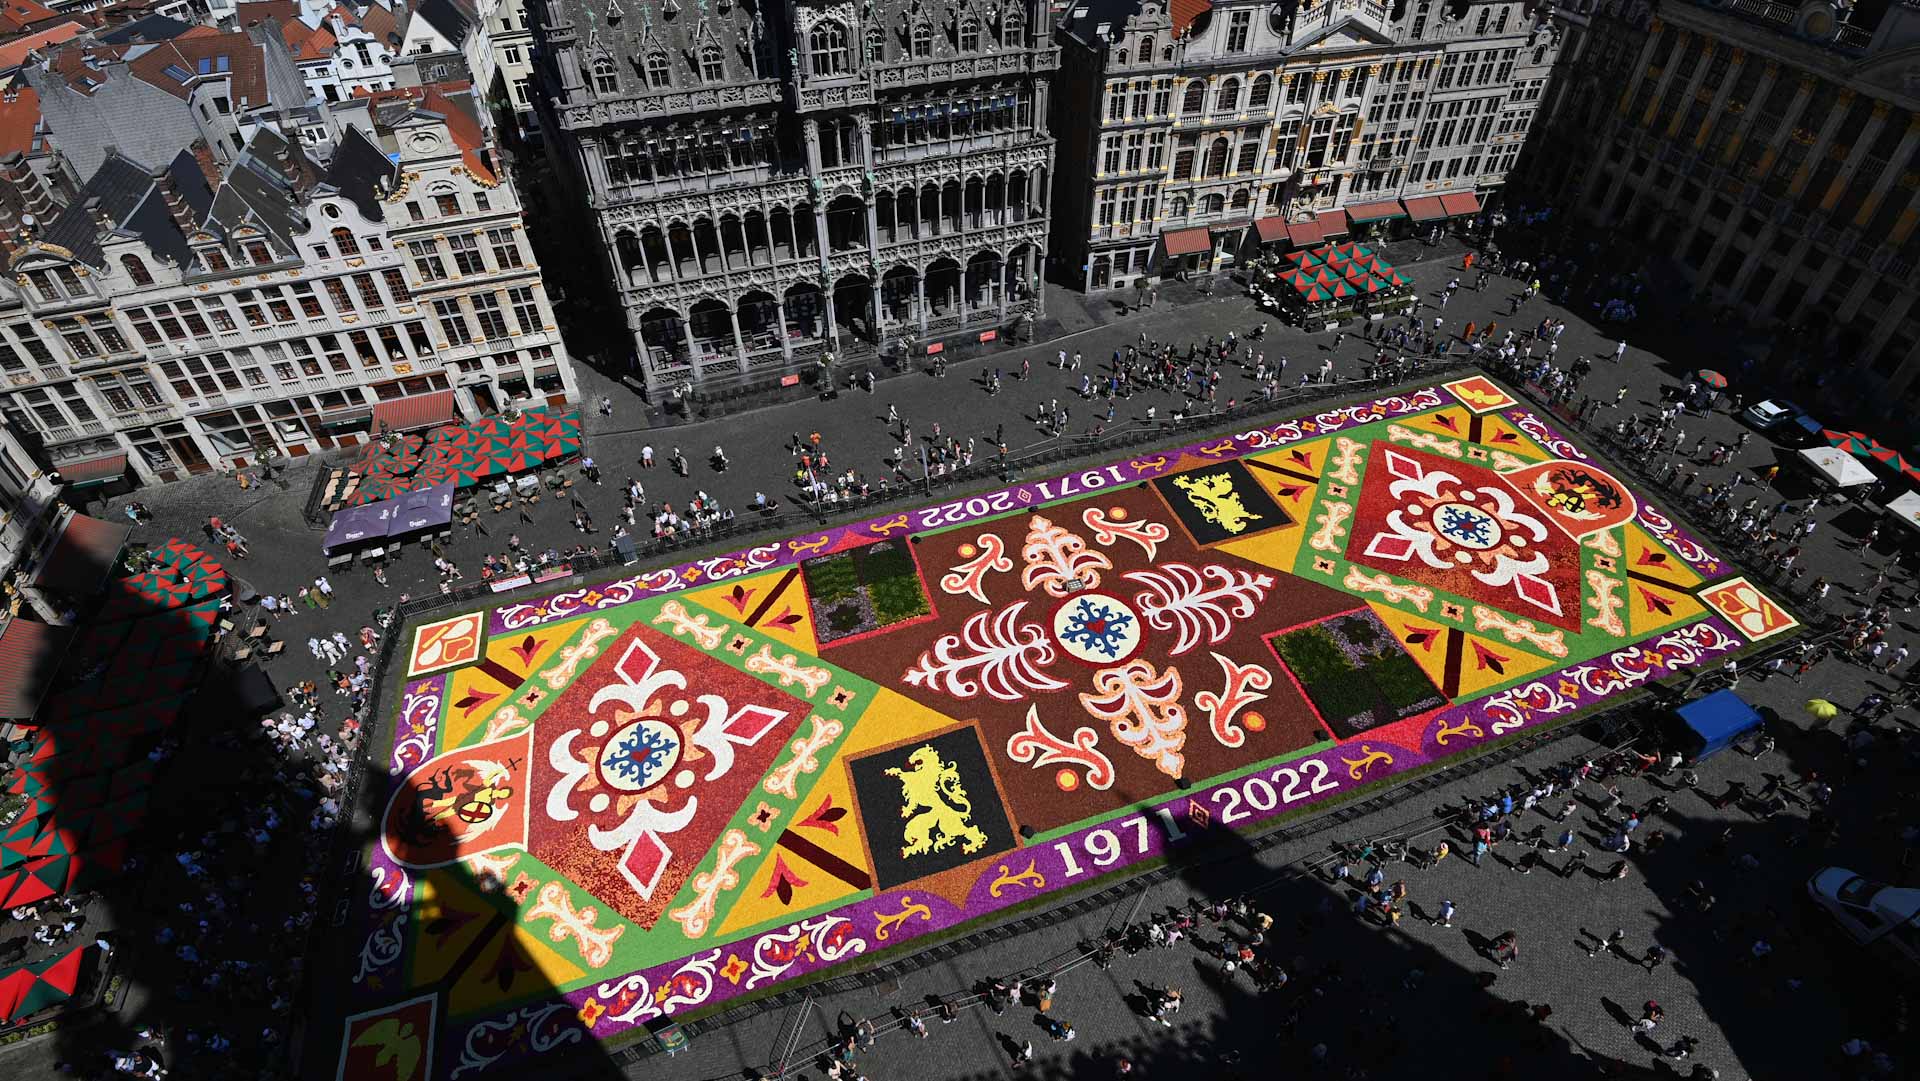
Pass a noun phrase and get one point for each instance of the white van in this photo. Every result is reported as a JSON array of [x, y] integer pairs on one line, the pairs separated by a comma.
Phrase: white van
[[1870, 911]]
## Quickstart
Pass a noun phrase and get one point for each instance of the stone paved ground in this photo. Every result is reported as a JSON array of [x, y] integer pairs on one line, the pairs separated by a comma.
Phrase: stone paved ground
[[1749, 1022]]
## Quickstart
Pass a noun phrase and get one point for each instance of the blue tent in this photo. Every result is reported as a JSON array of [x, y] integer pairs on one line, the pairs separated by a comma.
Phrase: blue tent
[[1717, 720]]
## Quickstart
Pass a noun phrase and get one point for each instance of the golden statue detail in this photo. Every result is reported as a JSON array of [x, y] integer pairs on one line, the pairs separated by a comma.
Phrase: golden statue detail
[[1217, 501], [934, 800]]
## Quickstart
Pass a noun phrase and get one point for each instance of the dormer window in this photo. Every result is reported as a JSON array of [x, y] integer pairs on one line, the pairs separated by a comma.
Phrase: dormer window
[[606, 80], [1013, 30], [827, 49], [877, 46], [712, 68], [659, 75], [922, 41], [1146, 49], [257, 253], [969, 35], [136, 270]]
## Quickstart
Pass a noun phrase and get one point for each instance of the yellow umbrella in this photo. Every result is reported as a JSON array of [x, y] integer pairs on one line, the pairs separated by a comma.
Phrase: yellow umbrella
[[1822, 709]]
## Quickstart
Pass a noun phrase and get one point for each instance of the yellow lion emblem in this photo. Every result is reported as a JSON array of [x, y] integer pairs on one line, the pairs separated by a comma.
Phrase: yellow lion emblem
[[932, 789], [1217, 501]]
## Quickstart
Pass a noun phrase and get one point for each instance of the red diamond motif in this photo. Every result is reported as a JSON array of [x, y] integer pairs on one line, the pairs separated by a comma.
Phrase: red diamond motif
[[1537, 591], [1390, 546]]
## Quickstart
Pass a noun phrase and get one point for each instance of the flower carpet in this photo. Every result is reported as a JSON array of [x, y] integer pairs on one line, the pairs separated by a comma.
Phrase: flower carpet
[[623, 802]]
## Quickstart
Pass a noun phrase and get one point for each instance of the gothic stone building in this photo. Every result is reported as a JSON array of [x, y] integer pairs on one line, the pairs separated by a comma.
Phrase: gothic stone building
[[773, 181], [1205, 130]]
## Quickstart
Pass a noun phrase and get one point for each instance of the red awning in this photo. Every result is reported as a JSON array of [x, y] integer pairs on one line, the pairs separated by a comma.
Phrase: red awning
[[83, 555], [420, 411], [94, 470], [1188, 241], [1332, 222], [1460, 204], [30, 653], [1375, 211], [1305, 234], [1270, 229], [1425, 208]]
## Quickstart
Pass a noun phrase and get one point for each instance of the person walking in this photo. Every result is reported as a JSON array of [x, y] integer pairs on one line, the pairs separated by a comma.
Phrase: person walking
[[1443, 917]]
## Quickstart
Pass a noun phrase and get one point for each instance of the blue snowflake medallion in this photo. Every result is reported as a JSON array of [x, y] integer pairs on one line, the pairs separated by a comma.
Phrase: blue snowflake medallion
[[639, 756], [1098, 628], [1469, 527]]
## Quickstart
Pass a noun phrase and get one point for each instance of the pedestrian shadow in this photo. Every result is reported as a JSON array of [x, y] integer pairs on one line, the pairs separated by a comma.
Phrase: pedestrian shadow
[[1619, 1013]]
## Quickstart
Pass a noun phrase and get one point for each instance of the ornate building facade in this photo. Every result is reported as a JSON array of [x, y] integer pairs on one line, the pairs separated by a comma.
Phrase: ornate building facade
[[769, 183], [1205, 130], [1771, 153]]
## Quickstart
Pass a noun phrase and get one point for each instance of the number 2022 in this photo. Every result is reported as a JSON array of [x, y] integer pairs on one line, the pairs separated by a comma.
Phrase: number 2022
[[1104, 848]]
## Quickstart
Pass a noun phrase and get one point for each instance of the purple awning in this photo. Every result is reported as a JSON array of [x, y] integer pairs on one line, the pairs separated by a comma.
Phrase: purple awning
[[422, 508], [358, 525]]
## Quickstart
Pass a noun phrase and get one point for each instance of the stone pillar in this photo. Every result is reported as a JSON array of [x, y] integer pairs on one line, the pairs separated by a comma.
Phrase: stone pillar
[[1896, 167], [1856, 156], [739, 342], [920, 299]]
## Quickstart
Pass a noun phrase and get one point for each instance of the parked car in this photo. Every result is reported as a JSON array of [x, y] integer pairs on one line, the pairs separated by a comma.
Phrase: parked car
[[1782, 419], [1871, 913]]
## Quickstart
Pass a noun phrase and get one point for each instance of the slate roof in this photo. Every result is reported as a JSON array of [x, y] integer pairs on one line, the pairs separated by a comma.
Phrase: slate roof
[[357, 170], [149, 28], [454, 19], [121, 184]]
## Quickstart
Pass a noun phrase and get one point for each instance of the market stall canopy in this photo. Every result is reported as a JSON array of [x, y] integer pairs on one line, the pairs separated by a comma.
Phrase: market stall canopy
[[1425, 208], [1188, 241], [1714, 722], [86, 550], [1460, 204], [1332, 222], [94, 470], [30, 654], [1270, 229], [1836, 466], [1711, 378], [1375, 211], [422, 508], [1305, 234], [1907, 510], [357, 525], [419, 411]]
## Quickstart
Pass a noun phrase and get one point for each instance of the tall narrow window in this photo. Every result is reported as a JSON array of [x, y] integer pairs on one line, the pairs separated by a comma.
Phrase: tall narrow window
[[659, 74], [605, 79], [922, 41], [876, 46], [1013, 30], [828, 48], [712, 68], [344, 243], [970, 36], [136, 270], [1262, 92], [1196, 98], [1238, 27]]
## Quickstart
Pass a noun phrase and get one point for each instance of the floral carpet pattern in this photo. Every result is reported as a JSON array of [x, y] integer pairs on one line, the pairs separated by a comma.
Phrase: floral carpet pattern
[[619, 803]]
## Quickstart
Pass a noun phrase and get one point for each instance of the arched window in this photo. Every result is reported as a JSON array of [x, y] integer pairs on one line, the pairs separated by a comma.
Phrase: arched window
[[922, 41], [1262, 92], [1146, 49], [344, 242], [1013, 29], [1122, 59], [1217, 158], [713, 68], [1241, 199], [136, 270], [876, 46], [970, 35], [1228, 99], [1214, 204], [1196, 98], [1166, 54], [1180, 206], [659, 73], [827, 46], [605, 79]]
